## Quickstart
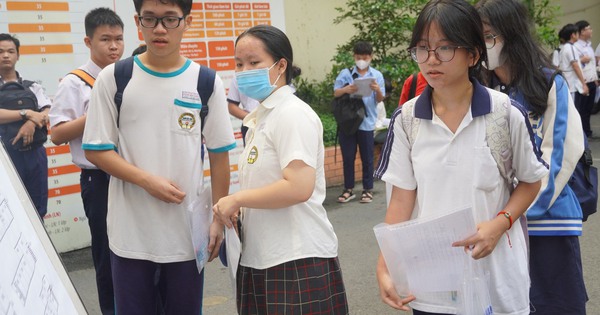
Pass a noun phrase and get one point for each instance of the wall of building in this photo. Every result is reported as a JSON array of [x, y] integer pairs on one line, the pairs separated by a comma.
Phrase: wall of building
[[573, 11]]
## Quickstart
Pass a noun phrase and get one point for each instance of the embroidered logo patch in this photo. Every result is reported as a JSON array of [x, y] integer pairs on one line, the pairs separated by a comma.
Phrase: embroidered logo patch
[[253, 155], [186, 121]]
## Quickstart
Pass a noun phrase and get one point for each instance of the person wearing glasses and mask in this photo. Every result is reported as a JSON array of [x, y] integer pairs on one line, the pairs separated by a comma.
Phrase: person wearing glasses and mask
[[154, 158], [555, 218], [448, 165], [289, 262]]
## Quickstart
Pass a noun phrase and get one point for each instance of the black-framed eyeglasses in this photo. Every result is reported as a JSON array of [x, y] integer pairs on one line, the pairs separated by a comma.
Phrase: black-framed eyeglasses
[[490, 40], [442, 53], [168, 22]]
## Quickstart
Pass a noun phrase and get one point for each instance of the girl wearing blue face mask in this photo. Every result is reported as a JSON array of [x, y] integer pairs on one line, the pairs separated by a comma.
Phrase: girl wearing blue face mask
[[286, 235]]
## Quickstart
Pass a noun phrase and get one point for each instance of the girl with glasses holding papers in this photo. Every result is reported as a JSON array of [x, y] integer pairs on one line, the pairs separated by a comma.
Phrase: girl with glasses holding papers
[[444, 160]]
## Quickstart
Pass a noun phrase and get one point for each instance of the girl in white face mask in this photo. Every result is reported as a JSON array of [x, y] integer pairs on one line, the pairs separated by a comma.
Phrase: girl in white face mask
[[522, 69]]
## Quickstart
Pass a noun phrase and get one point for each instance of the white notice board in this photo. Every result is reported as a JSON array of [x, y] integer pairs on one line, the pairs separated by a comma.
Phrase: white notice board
[[33, 279]]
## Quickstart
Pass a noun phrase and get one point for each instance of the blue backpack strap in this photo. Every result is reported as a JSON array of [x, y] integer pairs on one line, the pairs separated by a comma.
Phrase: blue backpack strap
[[206, 83], [123, 70]]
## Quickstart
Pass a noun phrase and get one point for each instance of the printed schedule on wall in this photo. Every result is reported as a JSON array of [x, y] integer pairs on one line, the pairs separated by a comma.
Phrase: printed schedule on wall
[[51, 33]]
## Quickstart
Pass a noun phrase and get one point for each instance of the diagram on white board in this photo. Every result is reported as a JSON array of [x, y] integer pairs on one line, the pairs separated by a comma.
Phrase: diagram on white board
[[6, 217], [25, 270]]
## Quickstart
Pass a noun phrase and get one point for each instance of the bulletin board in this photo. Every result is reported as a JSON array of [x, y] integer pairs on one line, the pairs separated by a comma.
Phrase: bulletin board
[[32, 277]]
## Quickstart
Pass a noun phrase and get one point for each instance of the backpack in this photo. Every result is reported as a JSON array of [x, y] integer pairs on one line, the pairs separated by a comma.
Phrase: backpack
[[17, 96], [348, 111], [497, 134], [205, 86]]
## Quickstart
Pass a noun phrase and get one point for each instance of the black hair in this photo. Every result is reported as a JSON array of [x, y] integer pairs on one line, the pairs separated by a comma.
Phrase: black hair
[[581, 25], [184, 5], [14, 39], [139, 50], [524, 55], [567, 30], [459, 22], [277, 45], [362, 48], [100, 17]]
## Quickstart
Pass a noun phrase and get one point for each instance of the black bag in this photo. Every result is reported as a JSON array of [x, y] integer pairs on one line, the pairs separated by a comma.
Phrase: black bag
[[584, 183], [17, 96], [348, 112]]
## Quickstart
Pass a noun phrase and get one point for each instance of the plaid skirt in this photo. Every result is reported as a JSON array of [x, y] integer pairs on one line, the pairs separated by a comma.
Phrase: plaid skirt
[[303, 286]]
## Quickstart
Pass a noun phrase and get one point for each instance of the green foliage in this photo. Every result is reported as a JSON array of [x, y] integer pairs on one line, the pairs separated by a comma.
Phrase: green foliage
[[544, 16]]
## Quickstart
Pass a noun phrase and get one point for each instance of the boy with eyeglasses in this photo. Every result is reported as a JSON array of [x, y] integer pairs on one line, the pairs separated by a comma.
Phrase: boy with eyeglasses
[[152, 149]]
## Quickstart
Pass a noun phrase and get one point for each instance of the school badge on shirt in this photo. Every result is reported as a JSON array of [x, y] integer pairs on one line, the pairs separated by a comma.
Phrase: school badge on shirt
[[253, 155], [186, 121]]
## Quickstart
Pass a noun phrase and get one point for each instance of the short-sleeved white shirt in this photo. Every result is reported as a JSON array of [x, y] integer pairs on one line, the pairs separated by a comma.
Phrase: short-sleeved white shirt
[[456, 170], [283, 129], [71, 102], [158, 131], [584, 48], [235, 96], [568, 55]]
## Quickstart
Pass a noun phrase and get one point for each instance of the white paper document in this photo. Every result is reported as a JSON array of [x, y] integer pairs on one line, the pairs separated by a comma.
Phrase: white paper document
[[234, 250], [200, 217], [419, 253], [364, 86]]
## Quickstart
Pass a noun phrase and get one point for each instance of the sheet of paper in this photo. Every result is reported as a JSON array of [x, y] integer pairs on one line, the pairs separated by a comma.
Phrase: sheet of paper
[[234, 250], [200, 216], [364, 86], [419, 253]]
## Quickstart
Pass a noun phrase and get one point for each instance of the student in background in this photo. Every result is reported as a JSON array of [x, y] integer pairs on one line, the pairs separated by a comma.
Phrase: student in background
[[282, 182], [412, 88], [29, 158], [554, 219], [583, 46], [152, 150], [448, 165], [104, 39]]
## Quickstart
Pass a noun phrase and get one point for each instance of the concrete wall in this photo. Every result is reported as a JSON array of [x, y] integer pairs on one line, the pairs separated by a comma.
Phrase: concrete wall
[[314, 37]]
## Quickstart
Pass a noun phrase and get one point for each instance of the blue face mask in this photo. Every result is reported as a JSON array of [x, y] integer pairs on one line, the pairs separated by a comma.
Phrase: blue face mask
[[256, 83]]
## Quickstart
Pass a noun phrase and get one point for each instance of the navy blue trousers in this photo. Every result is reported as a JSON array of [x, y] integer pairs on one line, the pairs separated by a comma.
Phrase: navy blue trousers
[[142, 287], [584, 105], [94, 192], [32, 166], [366, 146]]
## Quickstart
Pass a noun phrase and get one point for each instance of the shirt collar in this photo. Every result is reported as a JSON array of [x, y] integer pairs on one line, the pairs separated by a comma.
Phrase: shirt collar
[[480, 102], [269, 103], [19, 79], [92, 68]]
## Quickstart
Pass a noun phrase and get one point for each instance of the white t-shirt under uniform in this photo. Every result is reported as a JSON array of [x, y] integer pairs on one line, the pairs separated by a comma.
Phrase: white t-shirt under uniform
[[283, 129], [159, 131]]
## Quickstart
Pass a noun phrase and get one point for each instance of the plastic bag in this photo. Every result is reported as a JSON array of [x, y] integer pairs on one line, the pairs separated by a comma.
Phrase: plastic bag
[[474, 294]]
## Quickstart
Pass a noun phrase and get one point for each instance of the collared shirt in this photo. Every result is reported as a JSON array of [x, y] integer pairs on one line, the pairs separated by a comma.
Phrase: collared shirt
[[568, 56], [584, 48], [236, 97], [71, 102], [282, 129], [455, 170], [346, 77]]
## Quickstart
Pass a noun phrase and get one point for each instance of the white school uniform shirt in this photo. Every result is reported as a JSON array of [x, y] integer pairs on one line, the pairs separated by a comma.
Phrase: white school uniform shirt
[[71, 102], [589, 69], [283, 129], [159, 131], [235, 96], [568, 55], [456, 170]]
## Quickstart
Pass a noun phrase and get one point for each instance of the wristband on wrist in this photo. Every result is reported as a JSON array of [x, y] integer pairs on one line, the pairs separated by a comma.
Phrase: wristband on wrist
[[508, 216]]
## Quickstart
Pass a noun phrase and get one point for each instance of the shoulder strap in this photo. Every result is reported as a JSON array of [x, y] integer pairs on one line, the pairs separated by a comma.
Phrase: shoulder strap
[[413, 86], [409, 123], [84, 76], [205, 87], [497, 133], [27, 83], [123, 70]]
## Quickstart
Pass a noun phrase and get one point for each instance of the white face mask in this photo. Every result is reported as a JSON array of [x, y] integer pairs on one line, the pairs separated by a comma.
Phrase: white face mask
[[363, 64], [495, 58]]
